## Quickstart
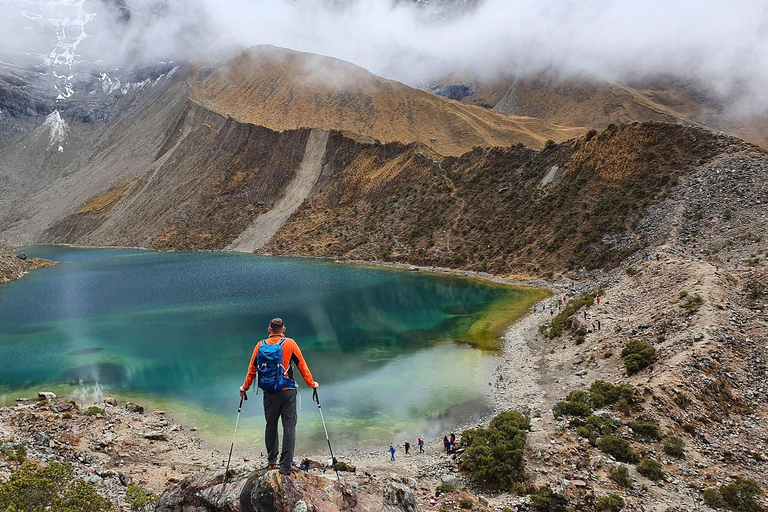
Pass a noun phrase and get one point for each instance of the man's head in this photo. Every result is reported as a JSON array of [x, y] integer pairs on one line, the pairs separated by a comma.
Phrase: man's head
[[276, 326]]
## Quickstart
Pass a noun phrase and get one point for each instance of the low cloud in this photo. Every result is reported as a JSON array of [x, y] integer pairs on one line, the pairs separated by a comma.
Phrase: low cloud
[[722, 44]]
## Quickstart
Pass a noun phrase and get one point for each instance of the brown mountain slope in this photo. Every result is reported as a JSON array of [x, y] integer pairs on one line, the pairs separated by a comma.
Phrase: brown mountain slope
[[597, 103], [512, 210], [283, 89]]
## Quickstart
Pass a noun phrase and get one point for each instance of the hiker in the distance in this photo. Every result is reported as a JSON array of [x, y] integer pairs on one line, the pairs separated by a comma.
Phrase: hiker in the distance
[[392, 452], [421, 445], [274, 357], [407, 447]]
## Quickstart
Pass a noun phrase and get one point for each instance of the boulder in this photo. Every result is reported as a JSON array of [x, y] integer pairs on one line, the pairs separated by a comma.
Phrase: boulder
[[64, 406], [110, 401], [46, 395], [268, 490], [156, 436], [132, 407]]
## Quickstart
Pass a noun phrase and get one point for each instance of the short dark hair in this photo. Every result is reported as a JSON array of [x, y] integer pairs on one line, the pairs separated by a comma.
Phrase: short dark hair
[[276, 324]]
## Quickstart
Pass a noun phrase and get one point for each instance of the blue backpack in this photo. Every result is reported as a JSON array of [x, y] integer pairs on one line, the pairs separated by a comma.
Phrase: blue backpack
[[269, 364]]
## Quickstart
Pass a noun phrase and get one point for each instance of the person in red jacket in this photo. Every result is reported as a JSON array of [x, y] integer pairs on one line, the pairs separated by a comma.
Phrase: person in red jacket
[[281, 404]]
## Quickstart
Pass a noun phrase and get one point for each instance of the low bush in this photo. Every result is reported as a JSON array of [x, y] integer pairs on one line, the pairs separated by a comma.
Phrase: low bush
[[674, 446], [494, 456], [445, 487], [713, 498], [14, 452], [682, 400], [740, 495], [140, 499], [755, 290], [595, 427], [610, 503], [52, 488], [692, 304], [465, 503], [603, 393], [620, 449], [637, 355], [650, 468], [645, 427], [95, 411], [546, 500], [569, 408], [620, 475]]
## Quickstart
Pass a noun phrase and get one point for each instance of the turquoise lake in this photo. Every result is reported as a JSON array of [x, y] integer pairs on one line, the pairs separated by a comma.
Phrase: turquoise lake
[[176, 331]]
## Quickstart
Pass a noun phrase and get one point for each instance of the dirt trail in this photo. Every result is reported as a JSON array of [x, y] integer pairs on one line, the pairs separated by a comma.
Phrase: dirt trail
[[265, 226]]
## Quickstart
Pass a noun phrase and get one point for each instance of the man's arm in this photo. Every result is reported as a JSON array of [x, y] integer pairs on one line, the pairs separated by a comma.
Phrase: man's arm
[[251, 369], [301, 364]]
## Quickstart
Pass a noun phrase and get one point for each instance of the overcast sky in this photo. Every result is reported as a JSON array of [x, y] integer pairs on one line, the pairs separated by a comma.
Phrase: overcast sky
[[723, 43]]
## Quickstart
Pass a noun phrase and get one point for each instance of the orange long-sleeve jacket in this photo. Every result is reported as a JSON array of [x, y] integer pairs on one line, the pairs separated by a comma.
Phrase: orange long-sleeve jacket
[[291, 354]]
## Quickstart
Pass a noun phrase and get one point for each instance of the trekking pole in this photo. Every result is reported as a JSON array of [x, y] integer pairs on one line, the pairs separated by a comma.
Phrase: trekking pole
[[333, 459], [232, 446]]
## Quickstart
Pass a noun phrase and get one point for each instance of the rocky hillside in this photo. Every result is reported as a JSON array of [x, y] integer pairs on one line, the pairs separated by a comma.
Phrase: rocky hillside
[[585, 101]]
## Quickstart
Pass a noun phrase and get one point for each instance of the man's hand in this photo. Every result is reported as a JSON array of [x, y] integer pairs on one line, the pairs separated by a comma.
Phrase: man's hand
[[242, 393], [314, 393]]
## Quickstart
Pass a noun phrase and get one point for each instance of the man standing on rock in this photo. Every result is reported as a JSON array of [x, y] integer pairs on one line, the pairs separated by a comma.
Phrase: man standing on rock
[[280, 403]]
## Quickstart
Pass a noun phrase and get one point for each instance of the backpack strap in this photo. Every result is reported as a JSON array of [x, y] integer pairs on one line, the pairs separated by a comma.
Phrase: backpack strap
[[282, 340]]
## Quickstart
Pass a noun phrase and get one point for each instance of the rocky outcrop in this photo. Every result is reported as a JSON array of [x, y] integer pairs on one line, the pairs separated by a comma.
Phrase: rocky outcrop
[[269, 491], [12, 267]]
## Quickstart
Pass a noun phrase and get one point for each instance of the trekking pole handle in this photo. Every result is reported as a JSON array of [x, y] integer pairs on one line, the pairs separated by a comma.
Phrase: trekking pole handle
[[315, 397]]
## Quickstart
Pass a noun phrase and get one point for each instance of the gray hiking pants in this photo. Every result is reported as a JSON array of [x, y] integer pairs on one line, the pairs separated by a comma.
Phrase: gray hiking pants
[[280, 405]]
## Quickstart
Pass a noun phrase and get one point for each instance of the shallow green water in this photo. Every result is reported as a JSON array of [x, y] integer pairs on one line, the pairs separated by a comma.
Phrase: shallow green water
[[177, 329]]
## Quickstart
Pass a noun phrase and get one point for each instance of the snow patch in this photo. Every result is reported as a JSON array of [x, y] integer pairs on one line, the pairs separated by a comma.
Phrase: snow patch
[[58, 129]]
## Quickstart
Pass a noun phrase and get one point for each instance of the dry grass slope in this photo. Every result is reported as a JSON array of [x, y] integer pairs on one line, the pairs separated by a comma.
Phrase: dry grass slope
[[283, 89]]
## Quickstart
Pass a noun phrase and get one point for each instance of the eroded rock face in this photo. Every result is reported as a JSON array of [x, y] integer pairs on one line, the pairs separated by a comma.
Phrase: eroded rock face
[[269, 491]]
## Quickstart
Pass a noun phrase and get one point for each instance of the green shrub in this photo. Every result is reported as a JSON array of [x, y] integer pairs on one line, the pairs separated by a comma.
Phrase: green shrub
[[608, 354], [445, 487], [620, 475], [631, 271], [740, 495], [51, 488], [465, 503], [139, 498], [620, 449], [603, 393], [95, 411], [692, 304], [755, 290], [645, 427], [674, 446], [650, 468], [610, 503], [14, 452], [713, 498], [571, 409], [494, 456], [595, 427], [638, 355], [578, 396], [546, 500]]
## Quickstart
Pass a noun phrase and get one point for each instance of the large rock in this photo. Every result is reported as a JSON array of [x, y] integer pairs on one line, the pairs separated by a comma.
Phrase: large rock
[[269, 491], [132, 407], [46, 395]]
